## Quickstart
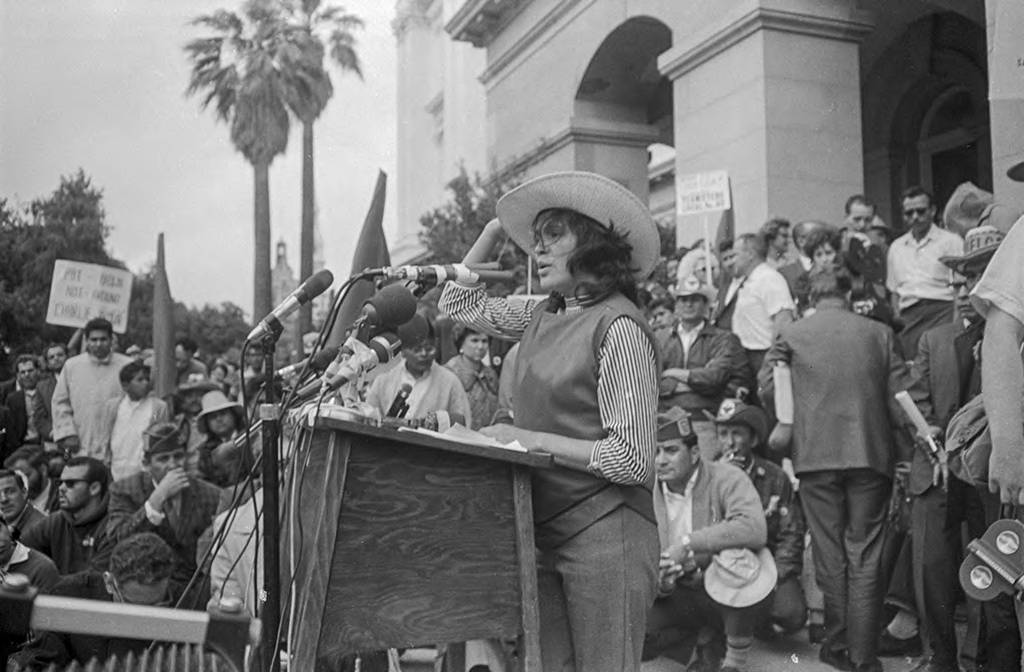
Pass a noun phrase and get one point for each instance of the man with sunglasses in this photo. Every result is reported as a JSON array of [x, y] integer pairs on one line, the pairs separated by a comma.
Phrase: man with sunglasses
[[139, 574], [918, 280], [71, 535], [430, 388]]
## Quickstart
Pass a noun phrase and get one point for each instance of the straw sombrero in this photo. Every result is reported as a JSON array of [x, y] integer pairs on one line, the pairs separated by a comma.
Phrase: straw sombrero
[[595, 196]]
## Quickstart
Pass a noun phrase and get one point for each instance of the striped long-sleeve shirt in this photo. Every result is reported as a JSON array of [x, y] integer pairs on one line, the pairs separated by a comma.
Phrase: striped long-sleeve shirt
[[627, 380]]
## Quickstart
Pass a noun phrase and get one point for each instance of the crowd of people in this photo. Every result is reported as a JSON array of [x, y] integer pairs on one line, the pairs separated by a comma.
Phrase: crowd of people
[[730, 459]]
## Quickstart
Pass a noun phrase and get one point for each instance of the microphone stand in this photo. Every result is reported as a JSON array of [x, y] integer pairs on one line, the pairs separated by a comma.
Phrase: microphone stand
[[270, 429]]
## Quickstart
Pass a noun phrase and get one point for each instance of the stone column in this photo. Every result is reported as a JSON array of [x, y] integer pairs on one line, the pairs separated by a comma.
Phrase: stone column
[[771, 93], [1006, 99]]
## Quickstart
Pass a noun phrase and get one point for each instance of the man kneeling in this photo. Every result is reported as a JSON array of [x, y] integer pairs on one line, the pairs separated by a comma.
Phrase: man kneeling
[[714, 568]]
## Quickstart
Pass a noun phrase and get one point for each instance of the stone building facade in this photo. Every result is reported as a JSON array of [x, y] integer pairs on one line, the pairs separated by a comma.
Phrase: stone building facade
[[803, 102]]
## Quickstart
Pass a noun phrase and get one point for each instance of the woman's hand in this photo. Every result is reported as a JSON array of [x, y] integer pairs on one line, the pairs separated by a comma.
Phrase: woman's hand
[[508, 433]]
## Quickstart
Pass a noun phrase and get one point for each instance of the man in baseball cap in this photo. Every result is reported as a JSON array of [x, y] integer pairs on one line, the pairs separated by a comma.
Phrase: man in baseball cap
[[702, 509], [742, 432]]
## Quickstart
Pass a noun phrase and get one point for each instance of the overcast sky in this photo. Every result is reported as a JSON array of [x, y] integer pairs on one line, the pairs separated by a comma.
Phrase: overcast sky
[[99, 84]]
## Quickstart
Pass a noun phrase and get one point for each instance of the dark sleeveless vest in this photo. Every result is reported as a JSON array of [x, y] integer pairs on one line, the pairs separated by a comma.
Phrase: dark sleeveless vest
[[556, 391]]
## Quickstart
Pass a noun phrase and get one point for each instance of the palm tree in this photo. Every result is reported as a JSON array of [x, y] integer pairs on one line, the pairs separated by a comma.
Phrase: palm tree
[[324, 30], [240, 70]]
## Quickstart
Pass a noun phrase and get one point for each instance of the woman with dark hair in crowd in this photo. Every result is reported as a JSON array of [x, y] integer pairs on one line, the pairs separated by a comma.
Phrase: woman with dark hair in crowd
[[587, 376], [823, 247], [478, 379]]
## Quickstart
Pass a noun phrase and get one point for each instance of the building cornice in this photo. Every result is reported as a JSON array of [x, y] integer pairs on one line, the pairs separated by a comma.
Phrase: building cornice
[[581, 131], [555, 15], [478, 21], [687, 56]]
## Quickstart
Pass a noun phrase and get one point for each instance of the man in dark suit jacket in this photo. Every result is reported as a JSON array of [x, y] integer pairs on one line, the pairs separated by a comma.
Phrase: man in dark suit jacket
[[947, 374], [29, 405], [793, 270], [845, 372], [165, 500]]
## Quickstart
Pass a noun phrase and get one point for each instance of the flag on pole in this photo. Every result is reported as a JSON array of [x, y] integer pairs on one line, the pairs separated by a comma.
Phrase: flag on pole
[[164, 372], [371, 251]]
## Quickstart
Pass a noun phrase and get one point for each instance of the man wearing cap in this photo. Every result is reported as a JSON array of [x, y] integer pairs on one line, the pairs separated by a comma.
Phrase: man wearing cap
[[915, 276], [188, 404], [123, 420], [84, 384], [845, 372], [742, 429], [702, 364], [702, 508], [431, 388], [947, 374], [164, 499]]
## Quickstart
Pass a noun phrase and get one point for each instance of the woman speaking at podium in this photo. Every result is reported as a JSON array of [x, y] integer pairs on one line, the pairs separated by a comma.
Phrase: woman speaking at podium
[[586, 392]]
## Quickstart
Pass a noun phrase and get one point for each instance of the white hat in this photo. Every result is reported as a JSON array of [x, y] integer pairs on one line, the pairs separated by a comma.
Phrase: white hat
[[590, 194], [737, 577], [692, 286]]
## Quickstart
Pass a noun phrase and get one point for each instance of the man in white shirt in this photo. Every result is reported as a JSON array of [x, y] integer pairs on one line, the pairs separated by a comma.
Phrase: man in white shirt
[[84, 384], [757, 303], [918, 280], [125, 420]]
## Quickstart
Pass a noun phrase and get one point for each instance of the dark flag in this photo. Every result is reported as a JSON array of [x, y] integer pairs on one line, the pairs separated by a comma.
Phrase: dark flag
[[371, 251], [164, 372]]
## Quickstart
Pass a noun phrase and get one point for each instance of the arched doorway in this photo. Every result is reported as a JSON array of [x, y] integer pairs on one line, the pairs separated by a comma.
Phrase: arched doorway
[[623, 106], [925, 112]]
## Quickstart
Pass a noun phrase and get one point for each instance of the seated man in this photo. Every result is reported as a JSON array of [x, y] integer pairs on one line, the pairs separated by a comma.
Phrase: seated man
[[140, 571], [70, 536], [14, 503], [703, 508], [34, 463], [16, 558], [164, 499], [742, 429]]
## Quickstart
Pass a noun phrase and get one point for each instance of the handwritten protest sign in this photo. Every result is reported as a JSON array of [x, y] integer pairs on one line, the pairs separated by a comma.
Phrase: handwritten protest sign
[[702, 192], [80, 292]]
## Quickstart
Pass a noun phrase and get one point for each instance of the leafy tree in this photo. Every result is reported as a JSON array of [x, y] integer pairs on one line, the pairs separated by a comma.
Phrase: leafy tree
[[241, 68], [322, 29], [67, 224], [451, 229]]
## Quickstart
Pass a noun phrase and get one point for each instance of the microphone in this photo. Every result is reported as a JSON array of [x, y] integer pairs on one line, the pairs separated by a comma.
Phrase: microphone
[[400, 406], [381, 348], [390, 308], [435, 275], [313, 287], [319, 362]]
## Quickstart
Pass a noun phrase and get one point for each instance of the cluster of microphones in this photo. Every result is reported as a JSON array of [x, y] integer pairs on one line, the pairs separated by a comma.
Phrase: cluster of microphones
[[373, 339]]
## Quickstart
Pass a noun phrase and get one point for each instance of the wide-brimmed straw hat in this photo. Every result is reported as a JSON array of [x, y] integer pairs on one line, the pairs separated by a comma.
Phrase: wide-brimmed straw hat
[[215, 402], [980, 243], [738, 577], [590, 194], [691, 285]]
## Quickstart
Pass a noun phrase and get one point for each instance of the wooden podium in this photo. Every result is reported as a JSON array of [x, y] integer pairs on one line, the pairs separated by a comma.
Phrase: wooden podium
[[405, 539]]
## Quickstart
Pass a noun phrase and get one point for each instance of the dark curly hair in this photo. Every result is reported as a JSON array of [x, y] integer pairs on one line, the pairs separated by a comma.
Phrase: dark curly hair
[[600, 251], [821, 236], [143, 558]]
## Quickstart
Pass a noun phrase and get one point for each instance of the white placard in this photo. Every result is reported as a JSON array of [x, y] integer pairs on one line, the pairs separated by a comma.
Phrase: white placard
[[1006, 50], [702, 192], [80, 292]]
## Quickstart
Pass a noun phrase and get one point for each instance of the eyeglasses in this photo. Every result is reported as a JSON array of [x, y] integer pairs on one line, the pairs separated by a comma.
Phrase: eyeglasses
[[910, 213], [549, 233]]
